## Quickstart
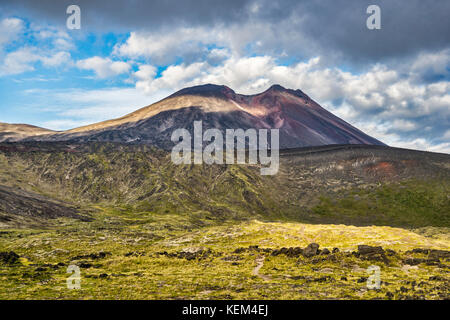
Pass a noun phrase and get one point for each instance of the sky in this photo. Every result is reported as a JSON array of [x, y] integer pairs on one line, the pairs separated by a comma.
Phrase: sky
[[392, 83]]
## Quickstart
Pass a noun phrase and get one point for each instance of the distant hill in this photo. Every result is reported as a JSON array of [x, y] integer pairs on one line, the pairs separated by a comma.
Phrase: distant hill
[[17, 132], [348, 184]]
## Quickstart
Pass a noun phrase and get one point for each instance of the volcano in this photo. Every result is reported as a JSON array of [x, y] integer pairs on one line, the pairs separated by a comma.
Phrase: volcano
[[301, 121]]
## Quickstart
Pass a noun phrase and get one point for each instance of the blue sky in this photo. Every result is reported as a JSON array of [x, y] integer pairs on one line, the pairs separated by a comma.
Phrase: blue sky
[[393, 87]]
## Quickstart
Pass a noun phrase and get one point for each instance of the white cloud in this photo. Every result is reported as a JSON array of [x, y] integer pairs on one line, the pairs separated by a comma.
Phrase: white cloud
[[57, 59], [217, 55], [10, 29], [434, 63], [60, 39], [23, 60], [19, 61], [145, 72], [447, 134], [171, 78], [162, 47], [403, 125], [71, 108], [104, 67]]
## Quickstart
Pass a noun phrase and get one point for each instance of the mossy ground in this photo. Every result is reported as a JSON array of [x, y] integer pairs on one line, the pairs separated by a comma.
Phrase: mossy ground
[[147, 213], [411, 203], [141, 261]]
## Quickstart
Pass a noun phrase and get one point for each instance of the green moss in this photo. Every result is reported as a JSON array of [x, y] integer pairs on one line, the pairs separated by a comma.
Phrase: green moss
[[409, 204], [136, 269]]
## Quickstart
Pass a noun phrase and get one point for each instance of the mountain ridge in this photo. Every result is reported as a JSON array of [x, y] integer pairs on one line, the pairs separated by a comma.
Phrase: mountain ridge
[[302, 122]]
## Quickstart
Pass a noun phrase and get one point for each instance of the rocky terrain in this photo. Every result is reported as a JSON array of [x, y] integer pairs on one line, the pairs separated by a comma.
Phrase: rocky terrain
[[107, 199], [140, 227], [22, 208], [145, 256], [339, 184]]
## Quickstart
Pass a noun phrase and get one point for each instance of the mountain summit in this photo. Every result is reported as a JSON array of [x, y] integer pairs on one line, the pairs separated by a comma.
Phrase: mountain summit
[[301, 121]]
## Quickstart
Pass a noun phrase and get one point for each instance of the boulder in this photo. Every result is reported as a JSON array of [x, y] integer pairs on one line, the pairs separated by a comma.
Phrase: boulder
[[311, 250], [371, 253]]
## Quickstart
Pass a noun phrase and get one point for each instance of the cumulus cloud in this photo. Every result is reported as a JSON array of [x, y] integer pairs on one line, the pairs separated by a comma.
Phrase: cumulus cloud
[[60, 39], [305, 28], [21, 56], [23, 60], [57, 59], [432, 65], [164, 47], [145, 72], [11, 28], [104, 67], [19, 61]]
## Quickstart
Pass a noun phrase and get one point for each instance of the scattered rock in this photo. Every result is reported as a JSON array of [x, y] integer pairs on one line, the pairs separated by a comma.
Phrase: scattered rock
[[416, 261], [311, 250], [323, 279], [362, 279], [232, 258], [332, 258], [367, 250], [134, 254], [418, 250], [413, 261], [188, 253], [240, 250], [298, 277], [252, 248], [431, 253], [371, 253], [93, 256], [391, 252], [85, 265], [439, 254], [9, 257], [290, 252]]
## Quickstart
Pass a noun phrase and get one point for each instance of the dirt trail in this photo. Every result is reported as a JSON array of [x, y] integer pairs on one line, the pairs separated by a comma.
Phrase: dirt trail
[[259, 264]]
